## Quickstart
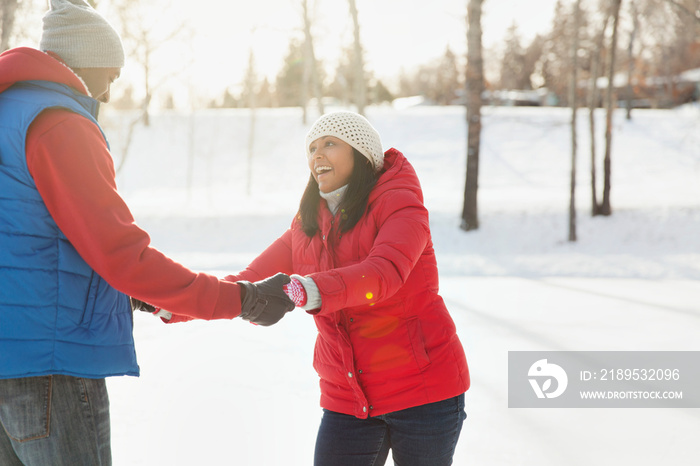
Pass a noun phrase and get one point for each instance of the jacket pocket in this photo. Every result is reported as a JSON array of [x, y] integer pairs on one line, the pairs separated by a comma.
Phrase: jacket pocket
[[91, 299], [25, 407], [415, 334]]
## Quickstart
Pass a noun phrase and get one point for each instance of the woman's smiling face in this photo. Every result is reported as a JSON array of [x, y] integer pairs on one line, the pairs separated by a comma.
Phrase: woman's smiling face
[[331, 161]]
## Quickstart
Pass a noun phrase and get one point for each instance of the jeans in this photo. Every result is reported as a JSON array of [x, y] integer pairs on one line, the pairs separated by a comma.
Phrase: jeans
[[54, 420], [421, 436]]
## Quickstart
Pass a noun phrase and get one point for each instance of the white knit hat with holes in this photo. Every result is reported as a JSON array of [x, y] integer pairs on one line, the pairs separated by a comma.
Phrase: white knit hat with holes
[[352, 128]]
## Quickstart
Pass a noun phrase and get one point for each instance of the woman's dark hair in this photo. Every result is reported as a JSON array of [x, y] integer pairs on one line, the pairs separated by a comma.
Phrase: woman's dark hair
[[354, 203]]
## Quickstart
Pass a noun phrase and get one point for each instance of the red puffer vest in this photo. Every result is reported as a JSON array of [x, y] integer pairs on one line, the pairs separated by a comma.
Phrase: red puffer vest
[[386, 340]]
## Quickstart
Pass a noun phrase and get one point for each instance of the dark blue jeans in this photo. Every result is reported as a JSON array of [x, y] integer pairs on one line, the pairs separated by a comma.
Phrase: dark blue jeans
[[421, 436], [54, 420]]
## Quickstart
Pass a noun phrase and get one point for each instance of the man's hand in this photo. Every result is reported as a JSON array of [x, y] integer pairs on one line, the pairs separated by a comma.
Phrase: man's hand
[[265, 302], [138, 305]]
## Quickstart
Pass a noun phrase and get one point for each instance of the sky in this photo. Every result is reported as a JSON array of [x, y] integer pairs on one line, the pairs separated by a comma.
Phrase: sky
[[396, 35]]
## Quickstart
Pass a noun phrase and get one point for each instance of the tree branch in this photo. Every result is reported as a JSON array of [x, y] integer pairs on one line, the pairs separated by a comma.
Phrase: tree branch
[[684, 9]]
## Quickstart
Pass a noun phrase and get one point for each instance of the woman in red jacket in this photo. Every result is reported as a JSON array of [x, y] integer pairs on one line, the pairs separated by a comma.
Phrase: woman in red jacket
[[393, 372]]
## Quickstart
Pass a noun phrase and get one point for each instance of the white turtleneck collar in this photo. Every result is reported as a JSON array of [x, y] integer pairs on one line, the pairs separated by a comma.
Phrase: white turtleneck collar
[[333, 198]]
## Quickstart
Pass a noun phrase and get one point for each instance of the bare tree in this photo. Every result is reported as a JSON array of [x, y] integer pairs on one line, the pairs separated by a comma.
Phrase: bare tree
[[630, 58], [144, 40], [475, 86], [671, 31], [605, 208], [360, 85], [593, 97], [695, 13], [142, 43], [439, 81], [310, 66], [8, 10], [573, 101], [250, 91]]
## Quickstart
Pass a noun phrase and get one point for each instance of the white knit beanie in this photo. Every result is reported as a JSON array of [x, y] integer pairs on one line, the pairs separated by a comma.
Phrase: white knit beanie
[[81, 36], [352, 128]]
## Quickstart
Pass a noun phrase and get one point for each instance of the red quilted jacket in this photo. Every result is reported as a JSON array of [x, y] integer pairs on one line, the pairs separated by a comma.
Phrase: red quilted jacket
[[386, 341]]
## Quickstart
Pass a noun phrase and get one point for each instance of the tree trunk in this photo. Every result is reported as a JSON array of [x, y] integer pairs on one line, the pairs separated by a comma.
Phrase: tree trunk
[[252, 105], [592, 105], [304, 92], [147, 85], [605, 208], [475, 86], [574, 104], [359, 67], [685, 10], [630, 58], [8, 10], [310, 67]]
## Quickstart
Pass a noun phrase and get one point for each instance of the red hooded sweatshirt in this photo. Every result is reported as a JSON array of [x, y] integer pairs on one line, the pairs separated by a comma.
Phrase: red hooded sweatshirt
[[73, 171]]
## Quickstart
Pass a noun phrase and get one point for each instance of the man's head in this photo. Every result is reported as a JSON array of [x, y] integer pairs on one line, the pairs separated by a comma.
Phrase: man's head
[[86, 42]]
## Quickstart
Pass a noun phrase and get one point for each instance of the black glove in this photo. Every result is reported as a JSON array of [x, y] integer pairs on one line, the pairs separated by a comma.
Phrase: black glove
[[265, 302], [138, 305]]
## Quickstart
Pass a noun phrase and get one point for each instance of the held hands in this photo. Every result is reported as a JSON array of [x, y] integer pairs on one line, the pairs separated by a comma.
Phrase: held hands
[[265, 302]]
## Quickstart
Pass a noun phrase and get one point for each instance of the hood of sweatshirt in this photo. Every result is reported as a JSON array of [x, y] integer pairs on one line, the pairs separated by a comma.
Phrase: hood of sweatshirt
[[28, 64]]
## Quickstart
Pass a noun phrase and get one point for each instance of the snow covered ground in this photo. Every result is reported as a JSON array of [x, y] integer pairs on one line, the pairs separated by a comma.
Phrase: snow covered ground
[[229, 393]]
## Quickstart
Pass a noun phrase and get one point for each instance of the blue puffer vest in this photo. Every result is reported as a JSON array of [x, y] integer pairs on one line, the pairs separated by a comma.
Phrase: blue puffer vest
[[57, 315]]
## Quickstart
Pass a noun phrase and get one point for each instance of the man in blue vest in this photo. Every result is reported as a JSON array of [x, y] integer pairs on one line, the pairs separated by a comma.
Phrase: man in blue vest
[[71, 255]]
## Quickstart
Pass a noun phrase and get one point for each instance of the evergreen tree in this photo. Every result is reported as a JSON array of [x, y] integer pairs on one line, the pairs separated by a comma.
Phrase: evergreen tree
[[344, 82], [447, 79], [290, 78], [532, 63], [265, 95], [513, 72], [380, 94], [556, 63]]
